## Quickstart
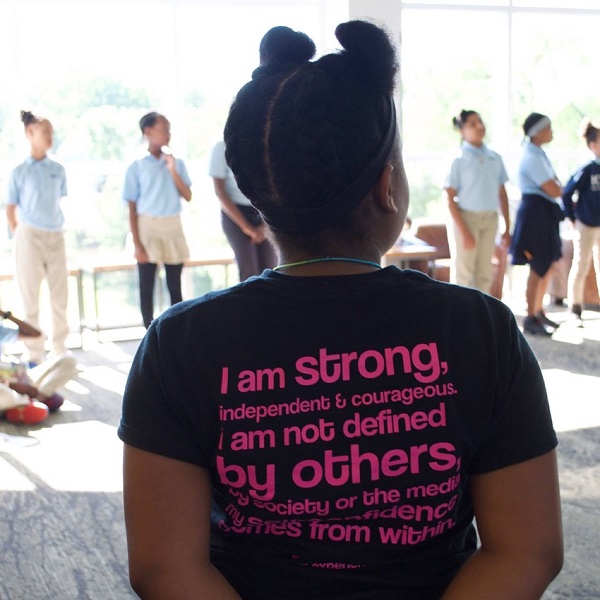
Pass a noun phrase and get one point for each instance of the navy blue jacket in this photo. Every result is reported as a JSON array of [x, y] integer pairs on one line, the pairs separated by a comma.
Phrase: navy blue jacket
[[586, 182]]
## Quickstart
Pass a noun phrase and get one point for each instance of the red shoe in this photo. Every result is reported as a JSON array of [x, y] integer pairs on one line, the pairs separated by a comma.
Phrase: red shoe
[[28, 414]]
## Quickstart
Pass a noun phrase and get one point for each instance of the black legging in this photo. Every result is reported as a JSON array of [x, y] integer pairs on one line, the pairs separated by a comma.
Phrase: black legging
[[147, 275]]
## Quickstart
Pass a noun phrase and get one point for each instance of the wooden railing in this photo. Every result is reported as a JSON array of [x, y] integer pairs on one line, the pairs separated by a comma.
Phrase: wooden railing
[[87, 277]]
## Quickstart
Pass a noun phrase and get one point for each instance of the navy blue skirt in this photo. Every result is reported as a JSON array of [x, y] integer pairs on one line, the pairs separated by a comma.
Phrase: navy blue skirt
[[535, 240]]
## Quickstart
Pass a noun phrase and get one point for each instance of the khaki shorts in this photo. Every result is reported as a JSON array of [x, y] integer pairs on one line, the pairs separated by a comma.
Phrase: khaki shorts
[[163, 239]]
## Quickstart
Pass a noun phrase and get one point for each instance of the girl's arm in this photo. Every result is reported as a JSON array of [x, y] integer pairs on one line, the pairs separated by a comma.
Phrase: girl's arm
[[11, 217], [467, 237], [167, 517], [505, 215], [575, 183], [184, 190], [139, 251], [25, 329], [552, 188], [230, 208], [517, 509]]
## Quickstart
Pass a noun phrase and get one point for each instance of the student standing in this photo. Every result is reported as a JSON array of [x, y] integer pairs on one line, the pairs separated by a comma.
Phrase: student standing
[[330, 428], [242, 224], [154, 186], [585, 216], [36, 221], [475, 190], [536, 239]]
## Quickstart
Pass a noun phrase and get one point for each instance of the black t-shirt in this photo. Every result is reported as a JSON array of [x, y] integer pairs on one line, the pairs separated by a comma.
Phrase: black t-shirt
[[340, 418]]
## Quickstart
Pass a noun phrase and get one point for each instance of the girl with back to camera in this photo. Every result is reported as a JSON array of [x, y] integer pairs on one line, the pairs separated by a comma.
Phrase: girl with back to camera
[[536, 240], [345, 453], [36, 221], [585, 216], [154, 186], [475, 190]]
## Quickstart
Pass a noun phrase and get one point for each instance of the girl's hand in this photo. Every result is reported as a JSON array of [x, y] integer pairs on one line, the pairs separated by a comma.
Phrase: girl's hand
[[169, 161], [257, 235], [141, 255], [468, 241], [253, 233]]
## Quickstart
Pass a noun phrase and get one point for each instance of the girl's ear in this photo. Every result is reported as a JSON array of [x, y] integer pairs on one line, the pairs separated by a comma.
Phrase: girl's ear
[[383, 191]]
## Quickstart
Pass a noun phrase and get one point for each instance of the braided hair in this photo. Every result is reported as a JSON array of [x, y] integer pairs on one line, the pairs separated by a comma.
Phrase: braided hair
[[306, 140]]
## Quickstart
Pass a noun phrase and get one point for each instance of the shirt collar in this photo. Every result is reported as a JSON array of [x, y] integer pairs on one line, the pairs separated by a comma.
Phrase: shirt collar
[[596, 159], [30, 160], [473, 148], [533, 147]]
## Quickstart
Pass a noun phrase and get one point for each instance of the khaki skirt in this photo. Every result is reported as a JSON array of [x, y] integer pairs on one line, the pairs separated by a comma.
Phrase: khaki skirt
[[163, 239]]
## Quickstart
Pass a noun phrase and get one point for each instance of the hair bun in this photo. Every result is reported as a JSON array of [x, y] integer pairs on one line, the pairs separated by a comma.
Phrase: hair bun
[[27, 117], [282, 45], [370, 47]]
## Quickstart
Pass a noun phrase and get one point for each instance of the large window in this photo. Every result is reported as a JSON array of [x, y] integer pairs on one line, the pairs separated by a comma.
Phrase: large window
[[454, 61], [505, 59], [94, 67]]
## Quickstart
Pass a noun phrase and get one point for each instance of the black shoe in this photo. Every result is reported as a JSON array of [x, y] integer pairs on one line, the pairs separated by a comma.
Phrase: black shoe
[[544, 320], [534, 326]]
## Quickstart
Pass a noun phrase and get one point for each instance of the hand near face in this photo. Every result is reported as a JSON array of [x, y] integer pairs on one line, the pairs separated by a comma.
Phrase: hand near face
[[169, 159]]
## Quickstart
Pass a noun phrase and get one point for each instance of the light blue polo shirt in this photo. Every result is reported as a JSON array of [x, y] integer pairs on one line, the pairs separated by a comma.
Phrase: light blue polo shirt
[[535, 168], [8, 334], [476, 175], [36, 188], [219, 169], [149, 184]]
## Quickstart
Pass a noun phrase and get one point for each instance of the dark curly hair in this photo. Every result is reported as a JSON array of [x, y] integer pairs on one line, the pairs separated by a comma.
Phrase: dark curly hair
[[306, 140]]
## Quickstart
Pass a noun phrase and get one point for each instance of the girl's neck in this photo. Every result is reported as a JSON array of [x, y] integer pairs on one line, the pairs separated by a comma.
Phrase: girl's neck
[[339, 263], [156, 152], [478, 144], [38, 154]]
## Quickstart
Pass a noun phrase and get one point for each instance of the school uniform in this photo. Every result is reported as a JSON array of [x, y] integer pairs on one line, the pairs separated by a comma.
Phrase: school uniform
[[536, 239], [477, 175], [36, 188], [150, 185], [585, 214], [252, 259]]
